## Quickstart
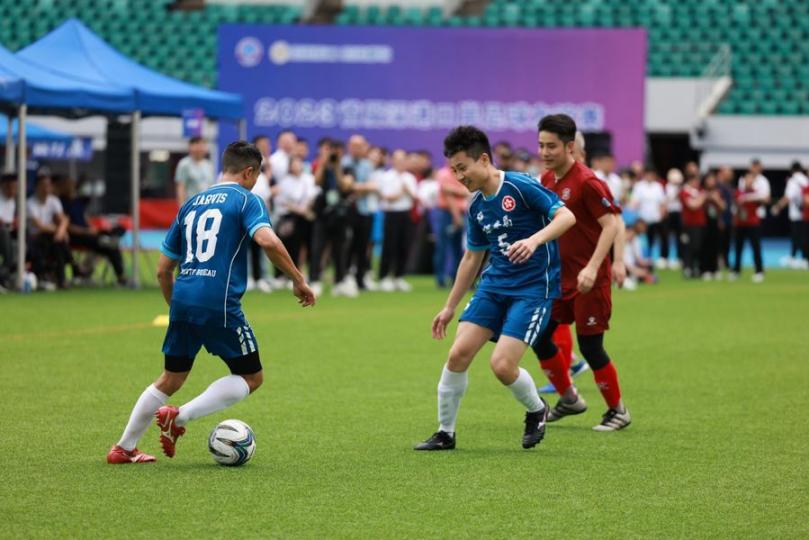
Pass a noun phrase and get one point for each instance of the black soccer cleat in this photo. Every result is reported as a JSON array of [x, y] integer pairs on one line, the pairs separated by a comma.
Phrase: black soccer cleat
[[567, 408], [440, 440], [535, 426]]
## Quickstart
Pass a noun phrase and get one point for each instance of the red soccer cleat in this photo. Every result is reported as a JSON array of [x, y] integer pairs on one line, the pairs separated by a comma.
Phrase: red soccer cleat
[[118, 455], [169, 431]]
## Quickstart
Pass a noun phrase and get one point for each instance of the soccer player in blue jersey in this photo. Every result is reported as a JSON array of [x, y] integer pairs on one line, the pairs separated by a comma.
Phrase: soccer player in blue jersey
[[516, 220], [209, 240]]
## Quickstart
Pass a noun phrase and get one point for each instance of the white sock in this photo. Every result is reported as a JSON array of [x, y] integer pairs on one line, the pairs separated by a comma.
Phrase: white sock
[[142, 414], [525, 391], [221, 393], [451, 389]]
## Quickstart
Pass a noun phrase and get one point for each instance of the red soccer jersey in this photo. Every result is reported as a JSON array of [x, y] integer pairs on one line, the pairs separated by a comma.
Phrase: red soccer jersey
[[746, 212], [692, 217], [589, 199], [805, 204]]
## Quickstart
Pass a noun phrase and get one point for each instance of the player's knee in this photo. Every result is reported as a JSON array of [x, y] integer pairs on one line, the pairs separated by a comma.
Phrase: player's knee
[[254, 380], [169, 382], [505, 370], [592, 348], [459, 358]]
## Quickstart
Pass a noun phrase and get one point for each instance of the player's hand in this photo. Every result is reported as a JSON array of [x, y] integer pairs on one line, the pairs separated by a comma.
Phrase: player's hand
[[521, 250], [586, 279], [305, 295], [441, 321], [619, 273]]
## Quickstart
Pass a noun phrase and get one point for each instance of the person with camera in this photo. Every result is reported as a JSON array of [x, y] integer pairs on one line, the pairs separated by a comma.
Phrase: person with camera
[[331, 209]]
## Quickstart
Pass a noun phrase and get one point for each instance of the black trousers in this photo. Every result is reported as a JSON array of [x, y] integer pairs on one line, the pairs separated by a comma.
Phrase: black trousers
[[329, 232], [710, 247], [805, 237], [754, 235], [94, 243], [672, 225], [725, 234], [796, 237], [359, 252], [291, 229], [395, 246], [656, 231], [48, 256], [692, 249]]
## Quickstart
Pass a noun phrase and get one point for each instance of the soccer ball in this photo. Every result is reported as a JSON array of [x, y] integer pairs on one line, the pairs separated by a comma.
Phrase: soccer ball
[[232, 443]]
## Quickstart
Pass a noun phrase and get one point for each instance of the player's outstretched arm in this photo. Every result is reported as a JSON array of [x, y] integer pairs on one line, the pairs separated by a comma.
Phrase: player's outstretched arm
[[464, 278], [588, 274], [279, 256], [165, 276], [522, 250]]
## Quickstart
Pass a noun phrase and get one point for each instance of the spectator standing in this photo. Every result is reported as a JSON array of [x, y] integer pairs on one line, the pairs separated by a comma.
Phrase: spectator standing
[[452, 202], [649, 200], [725, 177], [195, 172], [761, 187], [793, 198], [398, 193], [361, 213], [714, 208], [8, 213], [292, 202], [605, 170], [263, 188], [673, 223], [748, 225], [279, 160], [694, 221]]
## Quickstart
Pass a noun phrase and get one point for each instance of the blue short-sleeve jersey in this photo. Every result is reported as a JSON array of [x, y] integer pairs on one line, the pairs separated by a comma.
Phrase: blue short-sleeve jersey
[[520, 208], [210, 238]]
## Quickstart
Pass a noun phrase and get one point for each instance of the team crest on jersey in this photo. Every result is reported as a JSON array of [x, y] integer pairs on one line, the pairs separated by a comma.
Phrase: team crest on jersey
[[480, 217], [565, 194], [509, 203]]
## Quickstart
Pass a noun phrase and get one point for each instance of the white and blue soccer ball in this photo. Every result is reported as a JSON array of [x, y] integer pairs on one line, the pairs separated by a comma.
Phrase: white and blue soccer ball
[[232, 443]]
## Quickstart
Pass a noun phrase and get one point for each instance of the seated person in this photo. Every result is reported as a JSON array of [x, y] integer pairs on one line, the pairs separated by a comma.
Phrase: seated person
[[49, 237], [82, 233], [8, 216], [638, 268]]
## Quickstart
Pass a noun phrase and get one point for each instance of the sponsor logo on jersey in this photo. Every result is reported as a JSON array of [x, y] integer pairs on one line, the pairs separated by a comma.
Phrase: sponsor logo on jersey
[[591, 321], [509, 203]]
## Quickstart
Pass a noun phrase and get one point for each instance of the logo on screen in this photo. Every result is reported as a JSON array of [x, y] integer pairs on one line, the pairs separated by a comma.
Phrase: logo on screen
[[249, 51], [279, 52]]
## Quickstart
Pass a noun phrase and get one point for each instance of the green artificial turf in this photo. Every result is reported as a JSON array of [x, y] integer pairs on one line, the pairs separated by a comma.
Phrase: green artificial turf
[[714, 374]]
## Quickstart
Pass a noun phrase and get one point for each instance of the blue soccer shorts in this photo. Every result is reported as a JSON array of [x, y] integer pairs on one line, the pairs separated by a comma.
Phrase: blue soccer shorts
[[236, 346], [518, 317]]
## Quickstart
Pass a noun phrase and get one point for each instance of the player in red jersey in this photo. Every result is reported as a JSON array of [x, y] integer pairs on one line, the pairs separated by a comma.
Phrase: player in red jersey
[[586, 275]]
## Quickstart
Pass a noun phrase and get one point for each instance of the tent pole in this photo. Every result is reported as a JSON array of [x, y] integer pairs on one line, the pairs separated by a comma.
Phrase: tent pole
[[9, 166], [135, 200], [21, 196], [243, 129]]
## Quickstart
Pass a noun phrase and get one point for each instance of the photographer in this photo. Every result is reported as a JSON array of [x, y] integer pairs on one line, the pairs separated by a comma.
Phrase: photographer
[[331, 210]]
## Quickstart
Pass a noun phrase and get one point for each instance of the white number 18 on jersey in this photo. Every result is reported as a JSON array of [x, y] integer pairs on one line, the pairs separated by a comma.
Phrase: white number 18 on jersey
[[207, 230]]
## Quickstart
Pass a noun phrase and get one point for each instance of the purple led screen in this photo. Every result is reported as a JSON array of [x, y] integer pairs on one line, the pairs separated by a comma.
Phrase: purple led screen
[[406, 87]]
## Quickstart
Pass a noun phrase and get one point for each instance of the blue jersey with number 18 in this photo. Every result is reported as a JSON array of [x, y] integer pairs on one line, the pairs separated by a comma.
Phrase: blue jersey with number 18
[[210, 238]]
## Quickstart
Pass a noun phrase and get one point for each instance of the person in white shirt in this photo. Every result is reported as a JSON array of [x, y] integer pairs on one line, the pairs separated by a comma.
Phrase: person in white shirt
[[649, 200], [397, 191], [279, 160], [8, 210], [257, 269], [293, 201], [604, 169], [195, 172], [673, 223], [50, 251], [761, 185], [793, 198]]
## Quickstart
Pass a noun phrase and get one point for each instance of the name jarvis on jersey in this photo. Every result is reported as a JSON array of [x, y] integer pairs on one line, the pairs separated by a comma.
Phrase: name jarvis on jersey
[[213, 198]]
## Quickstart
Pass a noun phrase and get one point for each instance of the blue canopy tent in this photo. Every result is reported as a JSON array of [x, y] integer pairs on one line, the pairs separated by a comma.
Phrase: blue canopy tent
[[33, 132], [24, 85], [82, 53]]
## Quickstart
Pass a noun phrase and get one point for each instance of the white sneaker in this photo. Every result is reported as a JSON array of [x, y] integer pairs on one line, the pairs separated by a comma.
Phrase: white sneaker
[[802, 264], [317, 288], [707, 276], [717, 276], [264, 286], [251, 284], [661, 264], [402, 285], [350, 287], [630, 284], [733, 276], [675, 264], [386, 285], [280, 283], [786, 261], [758, 278], [371, 285]]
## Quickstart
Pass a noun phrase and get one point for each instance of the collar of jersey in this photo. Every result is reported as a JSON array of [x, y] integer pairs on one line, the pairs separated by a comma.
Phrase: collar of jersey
[[496, 193]]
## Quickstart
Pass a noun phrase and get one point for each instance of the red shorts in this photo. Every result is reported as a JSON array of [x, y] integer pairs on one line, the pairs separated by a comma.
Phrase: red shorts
[[591, 311]]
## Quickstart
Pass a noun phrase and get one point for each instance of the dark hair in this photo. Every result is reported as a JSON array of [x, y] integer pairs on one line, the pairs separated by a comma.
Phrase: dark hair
[[756, 161], [283, 131], [561, 124], [260, 137], [323, 141], [239, 155], [467, 139], [195, 140], [795, 167], [8, 177]]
